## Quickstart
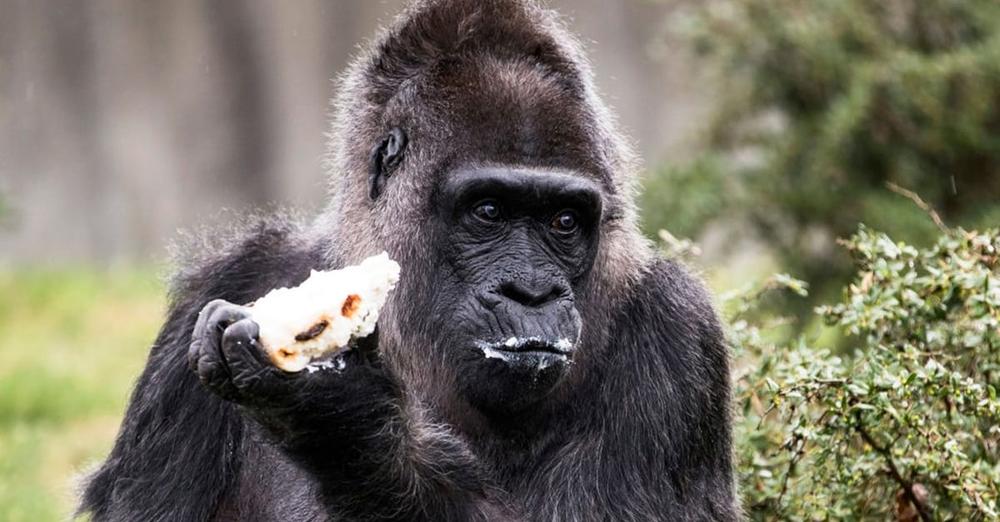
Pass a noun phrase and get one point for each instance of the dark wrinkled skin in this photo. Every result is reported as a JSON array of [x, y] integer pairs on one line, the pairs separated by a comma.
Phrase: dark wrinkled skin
[[536, 361], [512, 277]]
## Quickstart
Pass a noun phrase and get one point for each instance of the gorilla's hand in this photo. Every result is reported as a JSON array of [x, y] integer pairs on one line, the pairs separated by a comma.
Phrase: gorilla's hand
[[342, 422], [227, 356]]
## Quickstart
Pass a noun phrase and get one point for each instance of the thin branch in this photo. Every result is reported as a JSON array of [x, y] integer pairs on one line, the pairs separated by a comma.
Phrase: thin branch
[[915, 198], [905, 484], [792, 462]]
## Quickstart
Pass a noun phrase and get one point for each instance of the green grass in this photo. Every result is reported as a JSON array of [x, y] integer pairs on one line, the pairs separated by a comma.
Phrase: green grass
[[72, 342]]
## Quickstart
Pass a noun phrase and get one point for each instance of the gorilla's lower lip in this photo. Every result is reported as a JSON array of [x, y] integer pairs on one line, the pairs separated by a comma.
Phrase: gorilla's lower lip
[[561, 345], [511, 347]]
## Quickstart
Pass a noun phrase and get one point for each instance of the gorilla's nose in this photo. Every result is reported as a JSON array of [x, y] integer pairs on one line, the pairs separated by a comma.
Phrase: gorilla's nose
[[531, 294]]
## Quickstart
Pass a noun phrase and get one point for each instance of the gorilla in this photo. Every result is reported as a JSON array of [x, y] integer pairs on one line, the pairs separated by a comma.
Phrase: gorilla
[[537, 360]]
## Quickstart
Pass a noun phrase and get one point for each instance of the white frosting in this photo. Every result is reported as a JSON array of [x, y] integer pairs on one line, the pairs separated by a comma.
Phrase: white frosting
[[513, 343], [346, 301], [507, 350], [492, 353]]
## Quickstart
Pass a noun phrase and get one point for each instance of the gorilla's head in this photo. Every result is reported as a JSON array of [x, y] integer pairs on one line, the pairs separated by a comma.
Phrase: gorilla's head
[[469, 144]]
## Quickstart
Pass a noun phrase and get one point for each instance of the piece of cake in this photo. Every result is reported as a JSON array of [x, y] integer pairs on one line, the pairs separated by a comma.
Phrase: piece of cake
[[322, 315]]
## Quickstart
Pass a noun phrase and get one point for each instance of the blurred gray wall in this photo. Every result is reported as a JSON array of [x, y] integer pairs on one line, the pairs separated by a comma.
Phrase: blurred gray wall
[[122, 121]]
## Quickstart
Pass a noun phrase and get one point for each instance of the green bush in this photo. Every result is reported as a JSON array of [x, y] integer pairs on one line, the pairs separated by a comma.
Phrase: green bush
[[822, 102], [906, 426]]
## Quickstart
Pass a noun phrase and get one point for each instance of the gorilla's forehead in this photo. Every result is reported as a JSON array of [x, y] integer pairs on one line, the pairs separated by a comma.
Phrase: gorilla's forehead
[[504, 110]]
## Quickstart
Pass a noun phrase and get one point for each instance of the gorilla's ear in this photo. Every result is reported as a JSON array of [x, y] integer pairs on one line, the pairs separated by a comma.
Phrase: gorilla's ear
[[385, 158]]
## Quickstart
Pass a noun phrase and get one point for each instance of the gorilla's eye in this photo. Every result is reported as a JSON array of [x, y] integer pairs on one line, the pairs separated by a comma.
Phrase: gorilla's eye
[[487, 211], [565, 222]]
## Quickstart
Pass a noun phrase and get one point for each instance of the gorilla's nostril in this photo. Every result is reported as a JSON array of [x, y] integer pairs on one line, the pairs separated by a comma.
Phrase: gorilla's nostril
[[530, 295]]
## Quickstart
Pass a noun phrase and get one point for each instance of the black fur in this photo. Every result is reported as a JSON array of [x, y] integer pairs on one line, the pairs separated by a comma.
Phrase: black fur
[[506, 194]]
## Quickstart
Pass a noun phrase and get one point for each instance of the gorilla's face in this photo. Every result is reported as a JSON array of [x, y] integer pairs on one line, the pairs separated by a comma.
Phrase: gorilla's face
[[490, 187], [515, 244]]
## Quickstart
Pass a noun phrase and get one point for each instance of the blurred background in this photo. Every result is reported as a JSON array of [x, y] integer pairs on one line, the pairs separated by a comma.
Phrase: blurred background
[[120, 122], [769, 128]]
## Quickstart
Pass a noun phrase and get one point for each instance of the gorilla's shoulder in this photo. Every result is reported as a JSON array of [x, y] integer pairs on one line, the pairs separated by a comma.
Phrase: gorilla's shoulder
[[673, 288], [243, 258], [670, 315]]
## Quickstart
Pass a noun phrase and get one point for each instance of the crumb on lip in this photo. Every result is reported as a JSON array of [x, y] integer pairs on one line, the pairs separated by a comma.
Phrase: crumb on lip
[[514, 343]]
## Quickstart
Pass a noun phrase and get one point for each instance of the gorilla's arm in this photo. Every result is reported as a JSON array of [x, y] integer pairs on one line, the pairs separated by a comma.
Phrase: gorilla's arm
[[374, 455], [179, 449], [658, 410], [681, 391]]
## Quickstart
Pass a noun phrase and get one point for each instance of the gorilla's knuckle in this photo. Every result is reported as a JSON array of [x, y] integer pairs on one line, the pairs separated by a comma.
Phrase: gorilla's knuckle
[[233, 336], [239, 340], [194, 353], [210, 371], [210, 308]]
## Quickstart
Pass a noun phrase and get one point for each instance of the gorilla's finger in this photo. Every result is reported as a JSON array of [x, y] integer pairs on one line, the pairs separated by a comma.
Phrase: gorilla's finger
[[251, 370], [205, 354], [213, 371], [201, 326], [240, 337], [194, 353], [223, 316], [219, 319]]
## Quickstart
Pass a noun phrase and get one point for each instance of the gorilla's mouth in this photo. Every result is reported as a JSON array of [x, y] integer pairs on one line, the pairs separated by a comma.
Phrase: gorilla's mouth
[[516, 349]]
